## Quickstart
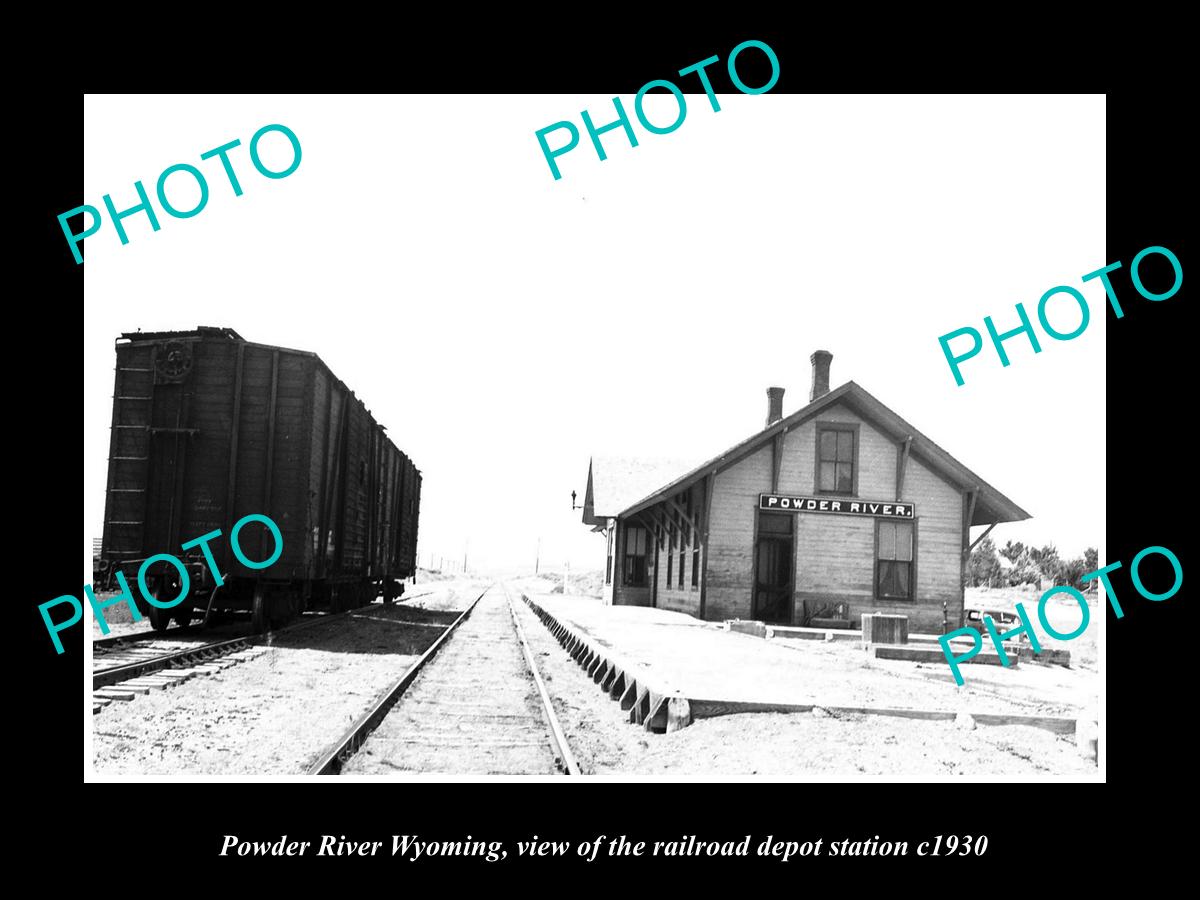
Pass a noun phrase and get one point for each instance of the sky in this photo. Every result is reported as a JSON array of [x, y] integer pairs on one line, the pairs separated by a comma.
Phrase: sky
[[505, 326]]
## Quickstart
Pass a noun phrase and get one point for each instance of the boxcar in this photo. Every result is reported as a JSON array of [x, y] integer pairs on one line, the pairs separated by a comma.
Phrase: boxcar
[[208, 428]]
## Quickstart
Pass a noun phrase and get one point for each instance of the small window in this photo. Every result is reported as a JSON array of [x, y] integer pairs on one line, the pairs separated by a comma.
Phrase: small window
[[635, 556], [682, 556], [695, 566], [836, 455], [670, 559], [775, 523], [894, 564]]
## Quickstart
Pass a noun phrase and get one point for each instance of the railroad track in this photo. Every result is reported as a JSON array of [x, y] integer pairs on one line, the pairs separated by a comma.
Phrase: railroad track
[[122, 641], [473, 703], [151, 660], [147, 661]]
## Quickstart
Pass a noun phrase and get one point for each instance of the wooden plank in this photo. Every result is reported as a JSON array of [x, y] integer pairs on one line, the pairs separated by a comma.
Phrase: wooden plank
[[1057, 724], [323, 481], [679, 713], [901, 467], [910, 653], [179, 468], [145, 686], [706, 709], [979, 539], [114, 694], [648, 523], [369, 538], [231, 491], [935, 715], [706, 518], [272, 411], [664, 524], [688, 520], [776, 461], [339, 495]]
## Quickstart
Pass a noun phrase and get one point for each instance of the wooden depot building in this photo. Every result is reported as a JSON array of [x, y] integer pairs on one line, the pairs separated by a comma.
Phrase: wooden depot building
[[840, 508]]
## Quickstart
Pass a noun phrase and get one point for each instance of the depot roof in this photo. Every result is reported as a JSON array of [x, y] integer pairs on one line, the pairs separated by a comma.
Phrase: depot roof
[[620, 487]]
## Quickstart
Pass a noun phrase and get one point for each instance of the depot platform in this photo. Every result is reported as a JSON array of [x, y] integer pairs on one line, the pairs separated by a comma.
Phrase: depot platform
[[669, 669]]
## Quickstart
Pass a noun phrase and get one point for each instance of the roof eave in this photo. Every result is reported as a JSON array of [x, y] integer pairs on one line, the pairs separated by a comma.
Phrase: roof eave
[[994, 507], [740, 449]]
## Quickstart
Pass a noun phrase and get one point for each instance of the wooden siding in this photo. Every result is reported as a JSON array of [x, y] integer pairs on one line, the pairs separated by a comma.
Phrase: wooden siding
[[876, 456], [670, 595], [289, 411], [731, 535], [835, 555], [939, 568]]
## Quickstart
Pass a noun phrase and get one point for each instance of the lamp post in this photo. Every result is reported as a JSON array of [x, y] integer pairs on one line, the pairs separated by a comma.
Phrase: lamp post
[[567, 570]]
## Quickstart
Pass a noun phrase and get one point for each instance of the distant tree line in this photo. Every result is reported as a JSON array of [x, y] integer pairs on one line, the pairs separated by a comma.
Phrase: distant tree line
[[1015, 564]]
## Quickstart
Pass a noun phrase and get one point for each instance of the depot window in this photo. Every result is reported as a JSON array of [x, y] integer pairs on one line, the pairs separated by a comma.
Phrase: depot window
[[636, 542], [837, 459], [895, 560]]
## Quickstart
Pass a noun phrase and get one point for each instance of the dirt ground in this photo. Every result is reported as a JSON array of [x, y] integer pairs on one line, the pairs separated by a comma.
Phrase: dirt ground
[[798, 745], [275, 714]]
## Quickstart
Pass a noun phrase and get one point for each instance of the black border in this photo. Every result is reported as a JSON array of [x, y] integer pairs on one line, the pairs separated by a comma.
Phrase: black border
[[1056, 828]]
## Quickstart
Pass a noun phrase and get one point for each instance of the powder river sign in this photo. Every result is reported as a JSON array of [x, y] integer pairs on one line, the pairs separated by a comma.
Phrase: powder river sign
[[789, 503]]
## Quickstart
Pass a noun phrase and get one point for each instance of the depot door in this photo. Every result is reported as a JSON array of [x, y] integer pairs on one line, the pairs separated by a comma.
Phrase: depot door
[[773, 554]]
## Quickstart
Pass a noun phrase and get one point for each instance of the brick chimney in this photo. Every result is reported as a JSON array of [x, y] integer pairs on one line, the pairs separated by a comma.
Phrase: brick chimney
[[820, 376], [774, 405]]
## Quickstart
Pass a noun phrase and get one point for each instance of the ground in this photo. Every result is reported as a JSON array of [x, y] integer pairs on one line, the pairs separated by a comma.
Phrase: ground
[[821, 745], [274, 714]]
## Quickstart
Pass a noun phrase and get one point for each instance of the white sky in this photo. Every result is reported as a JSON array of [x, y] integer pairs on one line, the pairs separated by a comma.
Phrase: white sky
[[505, 326]]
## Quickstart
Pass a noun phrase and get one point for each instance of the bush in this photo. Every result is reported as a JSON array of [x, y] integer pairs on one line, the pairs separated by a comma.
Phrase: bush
[[1025, 570], [1012, 551], [983, 568]]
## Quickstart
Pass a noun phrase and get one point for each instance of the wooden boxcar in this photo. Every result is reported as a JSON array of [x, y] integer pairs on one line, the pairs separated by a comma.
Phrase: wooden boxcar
[[208, 428]]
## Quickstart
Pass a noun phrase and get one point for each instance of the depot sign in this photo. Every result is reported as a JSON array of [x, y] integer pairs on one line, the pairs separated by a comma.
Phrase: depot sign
[[886, 509]]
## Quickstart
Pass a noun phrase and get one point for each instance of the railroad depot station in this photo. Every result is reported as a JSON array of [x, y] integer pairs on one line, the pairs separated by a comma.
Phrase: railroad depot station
[[839, 509], [838, 514]]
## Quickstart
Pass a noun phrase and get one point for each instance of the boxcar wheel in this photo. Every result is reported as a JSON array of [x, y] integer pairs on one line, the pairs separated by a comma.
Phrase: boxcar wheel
[[159, 618], [258, 612], [183, 614]]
